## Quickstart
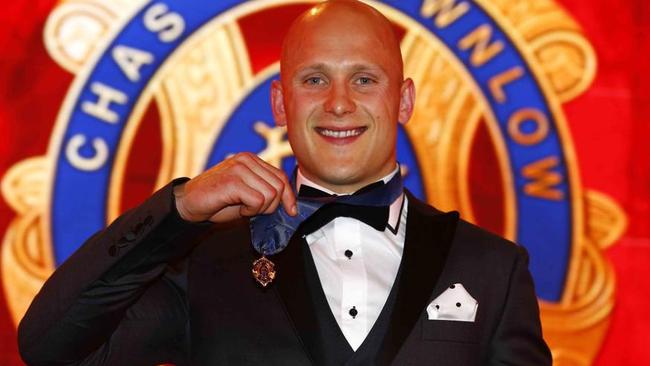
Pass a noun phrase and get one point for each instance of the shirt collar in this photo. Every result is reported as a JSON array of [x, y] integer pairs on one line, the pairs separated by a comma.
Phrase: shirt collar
[[301, 179]]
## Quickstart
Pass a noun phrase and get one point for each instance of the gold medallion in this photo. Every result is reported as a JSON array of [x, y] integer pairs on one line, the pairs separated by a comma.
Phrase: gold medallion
[[263, 271]]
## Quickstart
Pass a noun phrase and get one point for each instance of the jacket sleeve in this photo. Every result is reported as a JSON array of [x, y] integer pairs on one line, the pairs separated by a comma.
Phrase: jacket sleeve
[[119, 299], [518, 337]]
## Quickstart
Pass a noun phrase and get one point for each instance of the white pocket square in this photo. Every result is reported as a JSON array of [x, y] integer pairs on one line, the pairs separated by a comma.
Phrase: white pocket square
[[454, 304]]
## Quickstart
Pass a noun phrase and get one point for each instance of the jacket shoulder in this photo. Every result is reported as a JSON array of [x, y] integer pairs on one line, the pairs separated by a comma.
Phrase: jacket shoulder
[[470, 240]]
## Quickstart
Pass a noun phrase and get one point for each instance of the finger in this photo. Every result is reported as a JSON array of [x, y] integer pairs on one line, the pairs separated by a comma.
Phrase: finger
[[285, 190], [289, 198], [226, 214], [277, 178], [275, 184], [288, 195], [252, 201], [269, 193]]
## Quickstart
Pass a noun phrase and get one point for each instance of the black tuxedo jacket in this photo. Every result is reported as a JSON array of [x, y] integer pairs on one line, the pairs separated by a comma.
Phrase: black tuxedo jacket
[[152, 289]]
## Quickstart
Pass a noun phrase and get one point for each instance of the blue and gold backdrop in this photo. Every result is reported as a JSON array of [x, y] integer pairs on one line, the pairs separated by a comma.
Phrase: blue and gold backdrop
[[127, 95]]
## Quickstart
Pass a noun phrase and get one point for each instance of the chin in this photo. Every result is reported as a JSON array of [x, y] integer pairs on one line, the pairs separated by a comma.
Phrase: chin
[[343, 177]]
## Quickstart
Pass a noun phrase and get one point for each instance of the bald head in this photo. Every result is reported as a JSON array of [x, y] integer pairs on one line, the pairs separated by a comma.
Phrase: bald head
[[343, 26], [341, 94]]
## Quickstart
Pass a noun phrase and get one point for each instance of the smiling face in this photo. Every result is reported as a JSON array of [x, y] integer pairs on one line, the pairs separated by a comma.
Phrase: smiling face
[[341, 95]]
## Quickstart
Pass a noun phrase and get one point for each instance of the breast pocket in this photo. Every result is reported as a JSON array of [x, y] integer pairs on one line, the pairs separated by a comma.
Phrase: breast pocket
[[450, 331]]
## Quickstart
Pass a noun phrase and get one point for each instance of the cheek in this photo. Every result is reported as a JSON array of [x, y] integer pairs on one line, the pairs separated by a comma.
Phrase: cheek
[[301, 110], [382, 106]]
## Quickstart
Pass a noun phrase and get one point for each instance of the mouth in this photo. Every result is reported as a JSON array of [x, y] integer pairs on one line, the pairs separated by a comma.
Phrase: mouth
[[340, 134]]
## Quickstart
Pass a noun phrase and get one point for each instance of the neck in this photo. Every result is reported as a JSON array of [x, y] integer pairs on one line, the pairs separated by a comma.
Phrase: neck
[[302, 178]]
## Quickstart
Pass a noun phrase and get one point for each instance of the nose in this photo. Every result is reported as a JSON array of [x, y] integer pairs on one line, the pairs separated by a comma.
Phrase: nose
[[339, 101]]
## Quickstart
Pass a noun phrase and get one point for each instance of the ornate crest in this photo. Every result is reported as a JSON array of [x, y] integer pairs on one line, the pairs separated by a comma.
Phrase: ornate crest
[[488, 127]]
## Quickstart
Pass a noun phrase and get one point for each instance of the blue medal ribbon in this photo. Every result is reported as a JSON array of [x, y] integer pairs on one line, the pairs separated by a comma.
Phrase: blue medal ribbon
[[271, 233]]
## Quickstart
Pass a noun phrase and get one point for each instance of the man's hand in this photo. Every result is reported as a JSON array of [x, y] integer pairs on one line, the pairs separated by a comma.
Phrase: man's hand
[[242, 185]]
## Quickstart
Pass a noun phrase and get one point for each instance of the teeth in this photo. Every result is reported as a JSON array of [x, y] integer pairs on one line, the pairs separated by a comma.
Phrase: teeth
[[340, 134]]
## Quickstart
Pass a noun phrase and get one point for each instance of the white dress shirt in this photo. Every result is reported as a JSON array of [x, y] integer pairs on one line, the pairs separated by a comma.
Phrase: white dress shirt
[[357, 265]]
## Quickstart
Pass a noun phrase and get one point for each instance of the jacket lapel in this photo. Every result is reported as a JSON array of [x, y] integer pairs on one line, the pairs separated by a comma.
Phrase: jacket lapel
[[298, 286], [429, 234]]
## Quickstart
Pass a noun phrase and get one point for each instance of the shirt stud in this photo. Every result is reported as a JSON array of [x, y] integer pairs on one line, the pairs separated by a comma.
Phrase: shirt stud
[[353, 312]]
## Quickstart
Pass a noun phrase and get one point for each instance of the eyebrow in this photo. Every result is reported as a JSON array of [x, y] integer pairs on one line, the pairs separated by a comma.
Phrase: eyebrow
[[355, 67]]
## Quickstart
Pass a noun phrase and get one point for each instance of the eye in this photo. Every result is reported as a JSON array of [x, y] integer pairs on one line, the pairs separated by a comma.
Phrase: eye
[[364, 80], [314, 80]]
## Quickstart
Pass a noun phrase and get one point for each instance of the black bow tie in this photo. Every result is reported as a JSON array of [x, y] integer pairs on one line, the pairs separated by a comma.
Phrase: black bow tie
[[374, 216]]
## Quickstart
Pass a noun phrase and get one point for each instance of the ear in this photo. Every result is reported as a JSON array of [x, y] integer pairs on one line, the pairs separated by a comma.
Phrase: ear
[[277, 103], [406, 101]]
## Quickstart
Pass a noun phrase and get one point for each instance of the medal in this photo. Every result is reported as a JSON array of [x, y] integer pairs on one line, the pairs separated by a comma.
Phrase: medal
[[263, 271], [271, 233]]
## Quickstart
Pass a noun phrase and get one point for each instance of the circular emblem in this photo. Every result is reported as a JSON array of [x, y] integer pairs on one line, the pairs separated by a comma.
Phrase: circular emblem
[[487, 138]]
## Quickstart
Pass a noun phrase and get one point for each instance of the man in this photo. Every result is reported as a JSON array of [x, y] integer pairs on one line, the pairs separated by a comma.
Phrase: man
[[170, 281]]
